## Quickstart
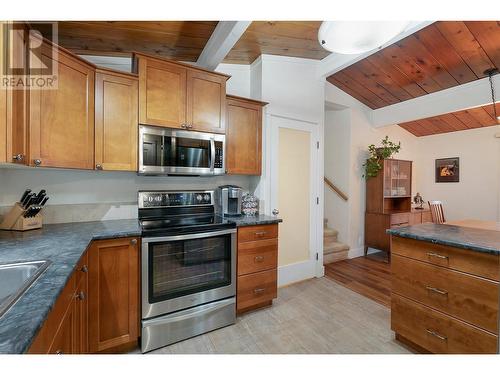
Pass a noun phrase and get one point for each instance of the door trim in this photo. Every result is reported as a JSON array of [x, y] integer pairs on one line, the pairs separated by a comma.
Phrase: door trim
[[312, 267]]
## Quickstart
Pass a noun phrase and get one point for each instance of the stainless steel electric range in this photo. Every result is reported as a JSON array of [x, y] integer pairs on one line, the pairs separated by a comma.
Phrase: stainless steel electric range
[[188, 267]]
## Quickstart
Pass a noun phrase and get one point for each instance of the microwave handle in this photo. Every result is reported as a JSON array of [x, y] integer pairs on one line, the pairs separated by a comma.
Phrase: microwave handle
[[212, 154]]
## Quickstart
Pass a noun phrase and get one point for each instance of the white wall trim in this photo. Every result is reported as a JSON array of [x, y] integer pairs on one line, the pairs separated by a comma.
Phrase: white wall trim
[[468, 95], [291, 273], [359, 252]]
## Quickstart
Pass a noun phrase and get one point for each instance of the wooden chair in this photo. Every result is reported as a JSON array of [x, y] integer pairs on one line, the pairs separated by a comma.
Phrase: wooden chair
[[437, 212]]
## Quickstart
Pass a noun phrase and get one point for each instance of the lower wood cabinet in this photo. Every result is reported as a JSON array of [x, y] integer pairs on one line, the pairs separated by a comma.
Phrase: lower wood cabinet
[[243, 136], [444, 299], [65, 330], [257, 282], [98, 309], [113, 294]]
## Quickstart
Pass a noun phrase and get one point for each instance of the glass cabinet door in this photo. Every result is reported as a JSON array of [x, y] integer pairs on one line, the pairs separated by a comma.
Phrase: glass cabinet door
[[404, 178]]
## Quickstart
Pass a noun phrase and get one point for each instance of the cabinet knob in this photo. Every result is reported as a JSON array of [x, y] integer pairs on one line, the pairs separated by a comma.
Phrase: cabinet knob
[[133, 241], [259, 258], [18, 157], [98, 167], [59, 351], [37, 162], [183, 126], [84, 268], [190, 126], [80, 296], [259, 290], [276, 212]]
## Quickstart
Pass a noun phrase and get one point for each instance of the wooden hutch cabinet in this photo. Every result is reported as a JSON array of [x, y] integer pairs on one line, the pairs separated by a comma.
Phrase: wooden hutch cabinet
[[388, 203]]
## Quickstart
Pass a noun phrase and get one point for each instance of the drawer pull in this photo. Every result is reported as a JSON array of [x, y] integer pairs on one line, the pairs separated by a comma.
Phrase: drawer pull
[[84, 269], [59, 351], [437, 255], [435, 334], [259, 290], [259, 259], [80, 296], [436, 290], [260, 234]]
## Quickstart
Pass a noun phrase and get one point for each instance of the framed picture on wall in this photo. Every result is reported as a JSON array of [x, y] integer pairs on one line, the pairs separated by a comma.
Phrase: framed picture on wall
[[448, 170]]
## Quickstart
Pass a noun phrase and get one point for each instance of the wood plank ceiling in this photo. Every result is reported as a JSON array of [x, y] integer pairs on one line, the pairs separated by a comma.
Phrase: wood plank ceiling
[[284, 38], [442, 55], [450, 122], [178, 40], [184, 40]]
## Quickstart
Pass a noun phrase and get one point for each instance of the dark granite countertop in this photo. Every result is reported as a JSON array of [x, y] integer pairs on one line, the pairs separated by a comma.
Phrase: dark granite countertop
[[63, 245], [482, 240], [243, 220]]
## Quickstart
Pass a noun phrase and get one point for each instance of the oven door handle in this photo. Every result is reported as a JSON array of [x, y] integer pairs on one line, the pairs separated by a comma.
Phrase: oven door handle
[[193, 236], [212, 154]]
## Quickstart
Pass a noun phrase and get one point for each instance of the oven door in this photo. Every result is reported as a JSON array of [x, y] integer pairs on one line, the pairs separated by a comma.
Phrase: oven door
[[179, 272], [178, 152]]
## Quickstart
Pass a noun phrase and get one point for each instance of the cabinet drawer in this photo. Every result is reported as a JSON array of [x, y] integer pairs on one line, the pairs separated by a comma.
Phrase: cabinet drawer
[[257, 232], [257, 256], [476, 263], [469, 298], [437, 332], [256, 288], [402, 218]]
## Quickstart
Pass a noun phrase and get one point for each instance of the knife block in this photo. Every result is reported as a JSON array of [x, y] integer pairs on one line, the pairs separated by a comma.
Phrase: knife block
[[14, 220]]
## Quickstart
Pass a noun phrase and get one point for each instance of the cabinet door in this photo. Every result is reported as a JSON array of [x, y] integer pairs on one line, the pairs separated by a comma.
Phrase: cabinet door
[[116, 122], [206, 102], [81, 316], [64, 339], [113, 294], [62, 119], [243, 138], [162, 93], [13, 103]]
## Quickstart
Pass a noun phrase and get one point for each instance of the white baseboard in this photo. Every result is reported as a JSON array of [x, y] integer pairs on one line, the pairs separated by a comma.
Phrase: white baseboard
[[359, 252], [291, 273]]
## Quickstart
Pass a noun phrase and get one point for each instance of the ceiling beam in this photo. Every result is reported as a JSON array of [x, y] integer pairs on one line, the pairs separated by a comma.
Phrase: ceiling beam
[[338, 61], [222, 40], [468, 95]]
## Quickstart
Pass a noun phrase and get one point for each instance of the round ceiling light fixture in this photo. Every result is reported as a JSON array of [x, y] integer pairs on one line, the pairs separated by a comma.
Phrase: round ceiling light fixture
[[353, 37]]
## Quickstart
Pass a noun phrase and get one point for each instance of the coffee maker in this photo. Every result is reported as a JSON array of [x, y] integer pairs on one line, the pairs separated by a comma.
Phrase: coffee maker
[[228, 199]]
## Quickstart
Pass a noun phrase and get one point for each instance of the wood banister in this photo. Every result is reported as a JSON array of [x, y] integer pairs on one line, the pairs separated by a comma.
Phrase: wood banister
[[339, 192]]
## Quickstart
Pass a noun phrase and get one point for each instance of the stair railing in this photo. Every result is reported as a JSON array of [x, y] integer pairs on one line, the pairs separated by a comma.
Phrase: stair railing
[[334, 188]]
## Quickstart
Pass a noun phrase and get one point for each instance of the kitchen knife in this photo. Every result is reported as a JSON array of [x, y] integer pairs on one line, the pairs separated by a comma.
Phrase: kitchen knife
[[27, 200], [44, 201], [25, 194], [35, 211], [28, 212], [40, 196]]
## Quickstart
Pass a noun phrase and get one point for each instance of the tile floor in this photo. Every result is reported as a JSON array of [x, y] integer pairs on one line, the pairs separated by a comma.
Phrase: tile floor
[[315, 316]]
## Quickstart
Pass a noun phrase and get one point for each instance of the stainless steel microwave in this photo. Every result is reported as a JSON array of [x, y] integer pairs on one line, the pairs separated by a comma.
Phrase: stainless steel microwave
[[180, 152]]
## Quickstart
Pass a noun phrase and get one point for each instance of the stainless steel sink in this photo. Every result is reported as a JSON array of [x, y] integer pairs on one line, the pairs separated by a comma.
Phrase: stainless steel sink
[[16, 278]]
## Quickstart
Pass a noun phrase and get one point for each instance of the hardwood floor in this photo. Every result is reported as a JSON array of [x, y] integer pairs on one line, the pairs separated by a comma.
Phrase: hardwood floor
[[313, 316], [369, 276]]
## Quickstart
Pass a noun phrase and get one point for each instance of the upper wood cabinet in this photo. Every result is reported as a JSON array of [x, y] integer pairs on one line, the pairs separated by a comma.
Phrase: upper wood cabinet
[[13, 102], [62, 120], [177, 95], [113, 294], [116, 121], [206, 101], [244, 136]]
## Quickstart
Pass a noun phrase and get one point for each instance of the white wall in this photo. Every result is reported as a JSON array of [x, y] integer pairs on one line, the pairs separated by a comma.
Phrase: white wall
[[337, 161], [476, 196], [361, 134], [239, 83]]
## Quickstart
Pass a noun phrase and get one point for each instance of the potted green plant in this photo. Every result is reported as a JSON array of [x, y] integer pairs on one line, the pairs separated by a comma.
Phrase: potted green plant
[[377, 154]]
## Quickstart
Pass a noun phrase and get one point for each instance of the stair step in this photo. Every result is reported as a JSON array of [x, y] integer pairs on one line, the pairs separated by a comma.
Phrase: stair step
[[335, 257], [335, 247], [330, 232]]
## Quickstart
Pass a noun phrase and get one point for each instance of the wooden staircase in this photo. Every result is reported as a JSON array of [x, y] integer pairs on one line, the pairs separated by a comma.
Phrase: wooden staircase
[[333, 250]]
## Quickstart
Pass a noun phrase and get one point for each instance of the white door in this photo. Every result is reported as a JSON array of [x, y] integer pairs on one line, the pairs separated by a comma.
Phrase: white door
[[294, 192]]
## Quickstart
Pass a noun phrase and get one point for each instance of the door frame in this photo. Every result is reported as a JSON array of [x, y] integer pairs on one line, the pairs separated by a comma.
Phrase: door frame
[[313, 267]]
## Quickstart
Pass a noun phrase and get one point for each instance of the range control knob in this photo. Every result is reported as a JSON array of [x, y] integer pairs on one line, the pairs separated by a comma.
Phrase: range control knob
[[199, 198], [207, 197]]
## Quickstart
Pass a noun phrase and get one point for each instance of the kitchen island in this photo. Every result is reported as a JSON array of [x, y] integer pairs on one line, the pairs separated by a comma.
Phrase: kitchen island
[[445, 288]]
